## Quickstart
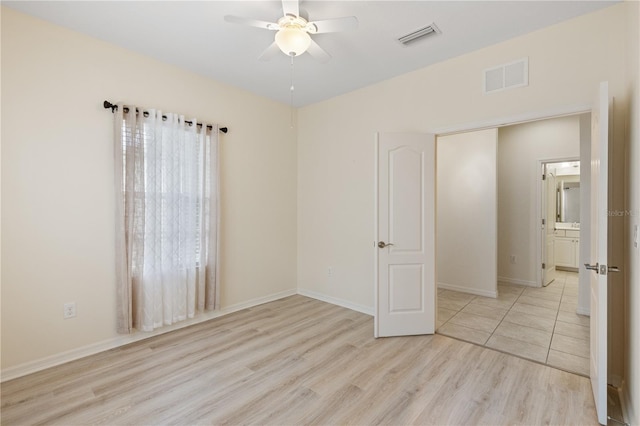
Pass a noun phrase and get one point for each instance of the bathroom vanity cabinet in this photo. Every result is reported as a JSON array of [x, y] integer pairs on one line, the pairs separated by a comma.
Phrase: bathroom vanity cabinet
[[567, 248]]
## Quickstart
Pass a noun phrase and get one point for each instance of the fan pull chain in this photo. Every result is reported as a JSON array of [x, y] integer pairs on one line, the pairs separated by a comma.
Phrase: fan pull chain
[[291, 88]]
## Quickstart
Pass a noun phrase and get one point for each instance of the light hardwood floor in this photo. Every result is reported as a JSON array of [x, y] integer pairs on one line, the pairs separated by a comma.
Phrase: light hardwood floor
[[298, 361]]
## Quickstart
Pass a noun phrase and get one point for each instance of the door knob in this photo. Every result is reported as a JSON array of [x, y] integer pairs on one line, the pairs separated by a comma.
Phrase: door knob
[[382, 244], [602, 269], [595, 267]]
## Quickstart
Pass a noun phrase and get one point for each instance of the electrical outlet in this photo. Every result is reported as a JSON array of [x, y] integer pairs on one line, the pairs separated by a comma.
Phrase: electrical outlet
[[330, 271], [69, 310], [512, 259]]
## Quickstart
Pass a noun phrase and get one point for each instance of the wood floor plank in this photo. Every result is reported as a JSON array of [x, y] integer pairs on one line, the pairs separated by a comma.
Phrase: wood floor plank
[[297, 361]]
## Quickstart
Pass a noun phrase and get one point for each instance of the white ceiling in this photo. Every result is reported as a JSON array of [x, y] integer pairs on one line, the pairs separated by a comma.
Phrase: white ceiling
[[194, 36]]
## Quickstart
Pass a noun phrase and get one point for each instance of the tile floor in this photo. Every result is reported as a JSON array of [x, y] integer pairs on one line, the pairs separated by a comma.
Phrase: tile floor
[[540, 324]]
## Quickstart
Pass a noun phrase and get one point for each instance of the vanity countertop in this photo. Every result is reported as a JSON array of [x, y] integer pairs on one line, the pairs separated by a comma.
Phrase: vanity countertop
[[568, 226]]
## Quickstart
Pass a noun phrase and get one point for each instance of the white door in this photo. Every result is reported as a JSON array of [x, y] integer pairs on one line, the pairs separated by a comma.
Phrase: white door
[[548, 227], [599, 263], [405, 279]]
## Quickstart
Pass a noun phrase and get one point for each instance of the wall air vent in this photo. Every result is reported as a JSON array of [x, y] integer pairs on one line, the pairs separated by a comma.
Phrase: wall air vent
[[429, 30], [507, 76]]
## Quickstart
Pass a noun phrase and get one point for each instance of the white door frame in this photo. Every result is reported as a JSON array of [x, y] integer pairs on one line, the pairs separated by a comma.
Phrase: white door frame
[[513, 119], [539, 205]]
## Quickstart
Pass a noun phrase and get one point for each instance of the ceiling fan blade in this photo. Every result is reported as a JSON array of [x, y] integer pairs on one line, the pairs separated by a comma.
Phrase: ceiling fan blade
[[334, 25], [269, 52], [290, 7], [318, 52], [251, 22]]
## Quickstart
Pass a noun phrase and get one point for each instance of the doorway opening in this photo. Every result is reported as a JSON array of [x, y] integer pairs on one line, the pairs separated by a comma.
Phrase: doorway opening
[[560, 217], [522, 317]]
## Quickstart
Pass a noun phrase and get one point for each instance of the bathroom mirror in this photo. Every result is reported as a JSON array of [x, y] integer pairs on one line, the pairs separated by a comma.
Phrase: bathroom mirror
[[568, 202]]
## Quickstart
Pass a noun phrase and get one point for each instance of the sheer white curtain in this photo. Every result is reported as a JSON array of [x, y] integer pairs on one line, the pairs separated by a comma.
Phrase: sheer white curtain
[[166, 180]]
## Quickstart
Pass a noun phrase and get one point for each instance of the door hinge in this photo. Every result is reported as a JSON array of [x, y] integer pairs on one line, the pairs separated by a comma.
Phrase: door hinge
[[544, 222], [544, 266], [544, 177]]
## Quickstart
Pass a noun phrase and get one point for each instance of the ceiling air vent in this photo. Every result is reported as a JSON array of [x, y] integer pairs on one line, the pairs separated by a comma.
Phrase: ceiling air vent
[[507, 76], [429, 30]]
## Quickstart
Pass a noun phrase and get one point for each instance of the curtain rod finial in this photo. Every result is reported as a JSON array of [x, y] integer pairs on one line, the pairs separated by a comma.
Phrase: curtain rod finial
[[107, 104]]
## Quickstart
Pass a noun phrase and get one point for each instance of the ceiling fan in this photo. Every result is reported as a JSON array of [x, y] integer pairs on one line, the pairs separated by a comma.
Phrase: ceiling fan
[[293, 36]]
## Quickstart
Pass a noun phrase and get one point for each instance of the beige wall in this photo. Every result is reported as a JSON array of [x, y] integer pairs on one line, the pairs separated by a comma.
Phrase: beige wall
[[57, 183], [467, 216], [520, 149], [632, 289]]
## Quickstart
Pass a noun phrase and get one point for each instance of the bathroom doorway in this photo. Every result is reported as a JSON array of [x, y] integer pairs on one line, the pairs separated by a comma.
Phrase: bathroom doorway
[[560, 217]]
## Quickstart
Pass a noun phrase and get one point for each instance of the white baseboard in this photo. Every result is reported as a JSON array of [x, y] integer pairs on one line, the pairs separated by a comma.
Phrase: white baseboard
[[583, 311], [517, 281], [335, 301], [470, 290], [94, 348]]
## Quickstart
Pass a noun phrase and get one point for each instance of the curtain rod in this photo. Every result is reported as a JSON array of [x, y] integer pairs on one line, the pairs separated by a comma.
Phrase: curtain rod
[[109, 105]]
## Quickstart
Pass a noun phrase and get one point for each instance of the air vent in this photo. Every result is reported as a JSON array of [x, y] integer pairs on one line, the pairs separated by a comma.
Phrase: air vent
[[429, 30], [507, 76]]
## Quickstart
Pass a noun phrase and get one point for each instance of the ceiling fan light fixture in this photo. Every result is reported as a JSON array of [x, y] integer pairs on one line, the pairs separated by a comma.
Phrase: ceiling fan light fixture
[[293, 41]]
